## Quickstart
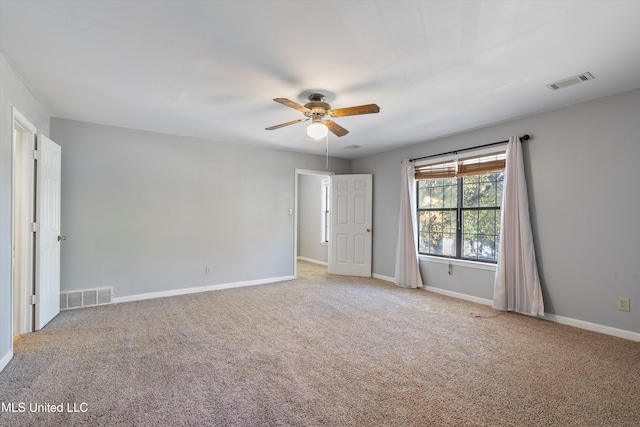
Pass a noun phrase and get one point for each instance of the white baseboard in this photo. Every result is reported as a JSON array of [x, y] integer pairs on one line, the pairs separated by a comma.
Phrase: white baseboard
[[385, 278], [6, 359], [608, 330], [458, 295], [314, 261], [151, 295]]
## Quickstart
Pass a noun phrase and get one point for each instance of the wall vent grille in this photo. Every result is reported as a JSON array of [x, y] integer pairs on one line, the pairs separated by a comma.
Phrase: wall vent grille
[[570, 81], [88, 298]]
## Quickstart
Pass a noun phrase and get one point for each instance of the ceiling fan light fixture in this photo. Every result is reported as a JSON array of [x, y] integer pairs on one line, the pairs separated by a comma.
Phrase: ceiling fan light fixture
[[321, 115], [317, 130]]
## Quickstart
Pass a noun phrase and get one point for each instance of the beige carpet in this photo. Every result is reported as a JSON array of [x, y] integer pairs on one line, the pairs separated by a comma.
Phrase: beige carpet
[[321, 350]]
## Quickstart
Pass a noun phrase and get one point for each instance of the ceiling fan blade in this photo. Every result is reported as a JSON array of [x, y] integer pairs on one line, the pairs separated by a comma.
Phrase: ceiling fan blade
[[292, 122], [353, 111], [336, 128], [294, 105]]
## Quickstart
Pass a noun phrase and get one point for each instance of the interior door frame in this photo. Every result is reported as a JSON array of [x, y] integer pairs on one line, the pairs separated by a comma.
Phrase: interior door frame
[[26, 290], [299, 172]]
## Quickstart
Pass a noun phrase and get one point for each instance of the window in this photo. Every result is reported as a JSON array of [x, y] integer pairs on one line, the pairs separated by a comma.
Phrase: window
[[459, 207], [326, 203]]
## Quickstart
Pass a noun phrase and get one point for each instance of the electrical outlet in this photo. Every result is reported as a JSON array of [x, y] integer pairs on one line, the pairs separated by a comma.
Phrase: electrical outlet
[[208, 270], [623, 304]]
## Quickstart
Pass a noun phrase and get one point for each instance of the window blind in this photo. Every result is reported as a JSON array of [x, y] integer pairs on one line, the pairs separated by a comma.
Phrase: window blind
[[477, 165]]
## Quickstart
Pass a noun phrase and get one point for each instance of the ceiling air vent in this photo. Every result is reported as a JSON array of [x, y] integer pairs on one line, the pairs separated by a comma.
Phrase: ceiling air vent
[[352, 147], [570, 81]]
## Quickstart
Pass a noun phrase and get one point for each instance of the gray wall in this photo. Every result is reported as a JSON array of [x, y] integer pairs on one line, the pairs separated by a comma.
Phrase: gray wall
[[310, 218], [146, 212], [582, 171], [14, 93]]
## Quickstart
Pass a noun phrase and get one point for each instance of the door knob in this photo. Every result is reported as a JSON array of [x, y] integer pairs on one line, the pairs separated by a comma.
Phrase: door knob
[[62, 238], [368, 230]]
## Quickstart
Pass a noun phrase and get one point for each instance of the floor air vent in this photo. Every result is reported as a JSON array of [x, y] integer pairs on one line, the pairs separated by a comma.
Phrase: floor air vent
[[88, 298]]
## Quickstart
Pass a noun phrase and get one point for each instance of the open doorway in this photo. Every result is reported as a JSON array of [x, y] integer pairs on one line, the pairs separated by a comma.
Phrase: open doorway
[[311, 217], [23, 218]]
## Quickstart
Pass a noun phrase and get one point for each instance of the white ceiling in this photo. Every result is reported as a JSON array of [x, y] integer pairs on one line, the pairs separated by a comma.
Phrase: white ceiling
[[210, 69]]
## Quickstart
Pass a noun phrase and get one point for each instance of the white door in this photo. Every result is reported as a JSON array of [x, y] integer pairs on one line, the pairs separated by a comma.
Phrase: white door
[[48, 175], [350, 238]]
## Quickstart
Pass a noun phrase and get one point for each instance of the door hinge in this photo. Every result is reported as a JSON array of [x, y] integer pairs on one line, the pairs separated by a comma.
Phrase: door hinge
[[35, 299], [36, 227], [36, 155]]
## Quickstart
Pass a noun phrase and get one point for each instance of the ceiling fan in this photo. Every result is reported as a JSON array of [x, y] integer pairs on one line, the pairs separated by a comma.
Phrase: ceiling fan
[[320, 112]]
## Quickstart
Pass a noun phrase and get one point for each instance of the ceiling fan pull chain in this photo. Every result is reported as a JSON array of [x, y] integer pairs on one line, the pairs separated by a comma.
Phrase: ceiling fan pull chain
[[326, 149]]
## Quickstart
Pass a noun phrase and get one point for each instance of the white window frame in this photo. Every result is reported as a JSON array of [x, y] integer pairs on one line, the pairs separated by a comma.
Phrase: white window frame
[[452, 260]]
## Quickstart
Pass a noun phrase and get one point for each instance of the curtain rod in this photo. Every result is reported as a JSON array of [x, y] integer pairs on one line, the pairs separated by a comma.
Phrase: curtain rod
[[522, 138]]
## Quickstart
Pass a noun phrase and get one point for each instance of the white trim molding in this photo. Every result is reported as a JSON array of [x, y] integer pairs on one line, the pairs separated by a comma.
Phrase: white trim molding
[[608, 330], [296, 176], [385, 278], [314, 261], [458, 295], [458, 262], [175, 292], [6, 359]]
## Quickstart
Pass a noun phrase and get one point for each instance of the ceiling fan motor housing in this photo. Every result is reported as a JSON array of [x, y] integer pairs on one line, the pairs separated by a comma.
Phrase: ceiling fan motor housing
[[317, 105]]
